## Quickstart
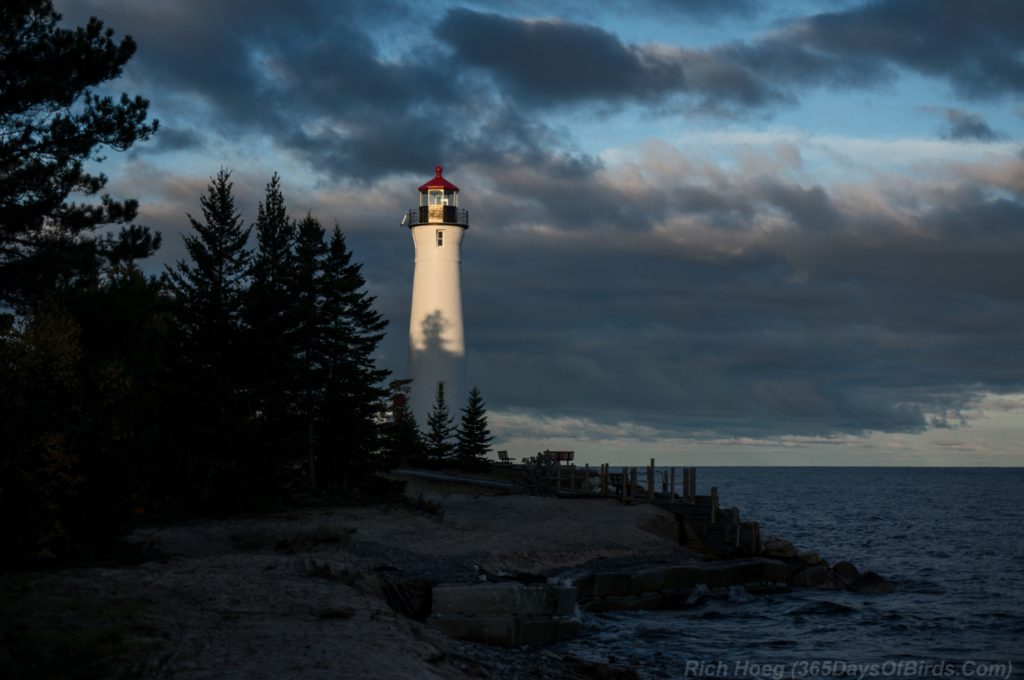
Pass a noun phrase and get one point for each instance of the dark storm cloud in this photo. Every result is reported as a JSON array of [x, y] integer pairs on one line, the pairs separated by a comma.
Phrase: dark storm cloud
[[964, 125], [553, 61], [310, 77], [973, 46], [841, 321]]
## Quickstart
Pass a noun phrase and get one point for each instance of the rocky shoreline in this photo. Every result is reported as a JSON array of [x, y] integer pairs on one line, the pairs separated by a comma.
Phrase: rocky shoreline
[[388, 591]]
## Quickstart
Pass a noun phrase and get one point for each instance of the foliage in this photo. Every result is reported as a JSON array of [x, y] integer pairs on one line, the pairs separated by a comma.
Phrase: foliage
[[539, 475], [402, 442], [238, 378], [271, 329], [473, 438], [208, 291], [40, 388], [439, 438], [51, 123]]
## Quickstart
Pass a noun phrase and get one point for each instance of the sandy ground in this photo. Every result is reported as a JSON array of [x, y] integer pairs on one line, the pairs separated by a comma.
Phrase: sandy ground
[[287, 597]]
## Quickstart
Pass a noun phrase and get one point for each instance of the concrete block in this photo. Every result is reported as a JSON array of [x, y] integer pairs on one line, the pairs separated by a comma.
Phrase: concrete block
[[583, 581], [684, 576], [501, 598], [489, 630], [534, 600], [647, 581], [562, 600], [612, 583], [490, 598], [536, 630], [646, 601], [614, 603], [568, 627], [610, 603]]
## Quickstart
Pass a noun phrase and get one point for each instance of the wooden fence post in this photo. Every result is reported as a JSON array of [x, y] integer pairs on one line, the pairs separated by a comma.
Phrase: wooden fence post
[[650, 481]]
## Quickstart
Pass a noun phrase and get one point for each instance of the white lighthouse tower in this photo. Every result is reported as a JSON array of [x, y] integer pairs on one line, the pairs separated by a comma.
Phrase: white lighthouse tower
[[437, 349]]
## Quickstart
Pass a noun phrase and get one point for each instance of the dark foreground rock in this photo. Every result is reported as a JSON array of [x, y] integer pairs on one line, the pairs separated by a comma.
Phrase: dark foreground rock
[[869, 583]]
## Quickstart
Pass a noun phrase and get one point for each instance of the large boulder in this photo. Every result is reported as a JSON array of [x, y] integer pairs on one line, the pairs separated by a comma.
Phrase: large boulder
[[845, 571], [779, 547], [869, 583], [811, 577], [811, 558]]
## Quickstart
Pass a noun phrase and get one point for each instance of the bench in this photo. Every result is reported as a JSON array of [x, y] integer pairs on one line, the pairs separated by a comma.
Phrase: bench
[[504, 459], [561, 456]]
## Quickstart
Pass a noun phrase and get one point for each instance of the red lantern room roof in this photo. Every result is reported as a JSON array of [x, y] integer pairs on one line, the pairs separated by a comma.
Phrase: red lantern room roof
[[438, 182]]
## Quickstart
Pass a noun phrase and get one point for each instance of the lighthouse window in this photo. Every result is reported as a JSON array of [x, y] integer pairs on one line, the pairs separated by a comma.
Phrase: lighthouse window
[[435, 197], [440, 237]]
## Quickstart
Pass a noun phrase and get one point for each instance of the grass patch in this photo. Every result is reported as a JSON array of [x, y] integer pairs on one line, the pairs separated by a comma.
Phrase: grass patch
[[50, 630]]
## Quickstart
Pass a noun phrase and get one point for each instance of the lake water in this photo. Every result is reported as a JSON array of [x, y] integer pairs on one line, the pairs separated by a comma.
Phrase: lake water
[[950, 540]]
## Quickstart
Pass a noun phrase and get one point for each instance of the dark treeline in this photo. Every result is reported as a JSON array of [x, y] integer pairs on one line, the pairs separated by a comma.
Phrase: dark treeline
[[240, 378]]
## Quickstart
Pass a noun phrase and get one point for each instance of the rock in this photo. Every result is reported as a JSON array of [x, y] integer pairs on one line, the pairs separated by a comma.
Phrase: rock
[[811, 576], [779, 547], [845, 571], [812, 559], [832, 582], [869, 583]]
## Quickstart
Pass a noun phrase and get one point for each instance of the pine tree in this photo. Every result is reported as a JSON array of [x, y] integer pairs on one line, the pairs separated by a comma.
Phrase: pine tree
[[52, 123], [473, 439], [355, 397], [440, 428], [208, 292], [310, 348], [403, 443], [271, 317]]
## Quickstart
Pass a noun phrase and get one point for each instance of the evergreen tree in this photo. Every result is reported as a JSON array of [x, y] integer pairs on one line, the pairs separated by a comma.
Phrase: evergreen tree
[[51, 123], [354, 394], [473, 439], [403, 443], [271, 318], [310, 348], [208, 292], [440, 428], [40, 466]]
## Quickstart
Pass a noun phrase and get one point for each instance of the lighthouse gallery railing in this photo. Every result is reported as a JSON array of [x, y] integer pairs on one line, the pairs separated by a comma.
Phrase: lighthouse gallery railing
[[452, 215]]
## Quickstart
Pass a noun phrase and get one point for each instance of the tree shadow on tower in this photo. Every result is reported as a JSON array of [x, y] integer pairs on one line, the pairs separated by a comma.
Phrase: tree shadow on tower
[[434, 363]]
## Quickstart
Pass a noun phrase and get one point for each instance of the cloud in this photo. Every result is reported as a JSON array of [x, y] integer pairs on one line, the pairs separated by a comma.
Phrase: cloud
[[884, 305], [641, 292], [972, 46], [964, 125]]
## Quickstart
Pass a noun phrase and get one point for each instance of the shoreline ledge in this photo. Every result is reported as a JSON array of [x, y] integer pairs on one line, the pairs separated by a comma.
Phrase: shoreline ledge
[[404, 589]]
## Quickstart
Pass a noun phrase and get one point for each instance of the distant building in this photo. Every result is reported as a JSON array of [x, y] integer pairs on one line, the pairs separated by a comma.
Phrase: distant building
[[436, 344]]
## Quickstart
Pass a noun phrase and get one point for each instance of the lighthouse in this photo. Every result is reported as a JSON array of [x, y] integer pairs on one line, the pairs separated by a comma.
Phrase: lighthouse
[[437, 348]]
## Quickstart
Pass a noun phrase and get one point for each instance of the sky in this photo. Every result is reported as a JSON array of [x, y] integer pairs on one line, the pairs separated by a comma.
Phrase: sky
[[710, 232]]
